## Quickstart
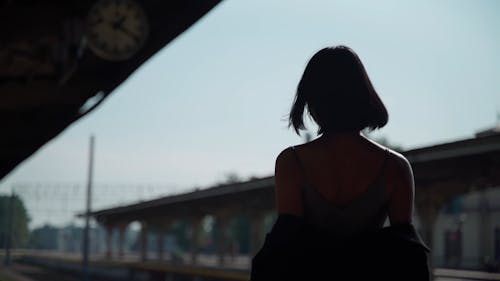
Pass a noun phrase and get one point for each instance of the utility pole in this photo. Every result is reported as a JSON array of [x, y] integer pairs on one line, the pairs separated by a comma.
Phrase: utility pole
[[86, 236]]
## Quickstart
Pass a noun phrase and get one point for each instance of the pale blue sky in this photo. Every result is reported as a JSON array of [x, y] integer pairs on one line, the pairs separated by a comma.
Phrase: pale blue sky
[[213, 101]]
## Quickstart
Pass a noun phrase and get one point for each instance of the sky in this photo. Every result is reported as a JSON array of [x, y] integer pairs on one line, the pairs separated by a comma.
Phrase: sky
[[215, 100]]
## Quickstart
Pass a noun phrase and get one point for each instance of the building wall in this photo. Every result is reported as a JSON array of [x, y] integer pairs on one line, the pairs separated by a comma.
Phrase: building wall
[[474, 218]]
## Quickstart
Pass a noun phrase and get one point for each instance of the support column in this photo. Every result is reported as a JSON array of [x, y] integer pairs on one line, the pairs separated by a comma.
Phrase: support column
[[428, 216], [222, 237], [195, 238], [485, 230], [165, 229], [144, 241], [121, 240], [428, 210], [159, 240], [257, 234], [109, 242]]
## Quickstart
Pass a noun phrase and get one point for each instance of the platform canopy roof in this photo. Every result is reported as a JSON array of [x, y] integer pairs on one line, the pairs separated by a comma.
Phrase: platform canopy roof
[[50, 64], [474, 160]]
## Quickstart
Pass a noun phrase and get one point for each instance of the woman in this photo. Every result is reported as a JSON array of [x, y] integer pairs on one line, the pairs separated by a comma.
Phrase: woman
[[333, 194]]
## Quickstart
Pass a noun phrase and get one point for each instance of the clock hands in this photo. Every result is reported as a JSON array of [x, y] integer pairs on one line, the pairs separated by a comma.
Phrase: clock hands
[[118, 25], [119, 22], [129, 33], [97, 21]]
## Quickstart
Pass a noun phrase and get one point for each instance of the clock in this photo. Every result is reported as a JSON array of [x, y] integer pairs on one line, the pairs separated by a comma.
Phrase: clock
[[116, 29]]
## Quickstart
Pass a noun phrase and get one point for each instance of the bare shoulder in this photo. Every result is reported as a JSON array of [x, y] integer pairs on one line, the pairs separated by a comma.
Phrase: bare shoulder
[[285, 156], [286, 162], [398, 163], [287, 159], [400, 182], [287, 183], [401, 187]]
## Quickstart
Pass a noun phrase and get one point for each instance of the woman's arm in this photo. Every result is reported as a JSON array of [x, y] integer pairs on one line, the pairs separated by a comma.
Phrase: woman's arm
[[288, 180], [402, 190]]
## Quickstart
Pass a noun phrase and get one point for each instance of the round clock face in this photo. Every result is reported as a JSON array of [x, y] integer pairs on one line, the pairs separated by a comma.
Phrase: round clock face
[[116, 29]]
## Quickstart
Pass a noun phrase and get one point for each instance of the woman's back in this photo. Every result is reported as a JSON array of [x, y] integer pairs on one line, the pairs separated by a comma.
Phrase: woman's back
[[344, 183], [341, 167], [329, 204]]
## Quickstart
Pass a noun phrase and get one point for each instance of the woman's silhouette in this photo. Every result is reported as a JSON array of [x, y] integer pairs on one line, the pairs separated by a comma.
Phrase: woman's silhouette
[[333, 194]]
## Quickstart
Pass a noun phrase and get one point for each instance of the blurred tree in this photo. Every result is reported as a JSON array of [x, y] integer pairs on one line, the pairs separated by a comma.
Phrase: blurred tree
[[44, 238], [20, 231], [232, 177]]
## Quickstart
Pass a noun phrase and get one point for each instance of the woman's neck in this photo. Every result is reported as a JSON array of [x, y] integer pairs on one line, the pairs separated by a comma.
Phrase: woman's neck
[[330, 138], [341, 134]]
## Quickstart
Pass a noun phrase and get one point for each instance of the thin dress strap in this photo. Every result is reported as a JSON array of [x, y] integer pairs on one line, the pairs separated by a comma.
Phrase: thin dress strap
[[382, 168], [301, 166], [302, 170]]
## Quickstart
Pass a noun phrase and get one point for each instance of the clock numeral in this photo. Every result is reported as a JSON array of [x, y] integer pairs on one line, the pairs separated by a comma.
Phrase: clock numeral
[[105, 4], [96, 21], [93, 35], [103, 45]]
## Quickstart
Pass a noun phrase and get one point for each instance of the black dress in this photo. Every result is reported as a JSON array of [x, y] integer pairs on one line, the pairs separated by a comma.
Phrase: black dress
[[293, 251], [348, 243]]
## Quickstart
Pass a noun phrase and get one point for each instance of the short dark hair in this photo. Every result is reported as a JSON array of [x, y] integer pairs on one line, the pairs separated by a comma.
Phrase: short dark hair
[[338, 94]]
